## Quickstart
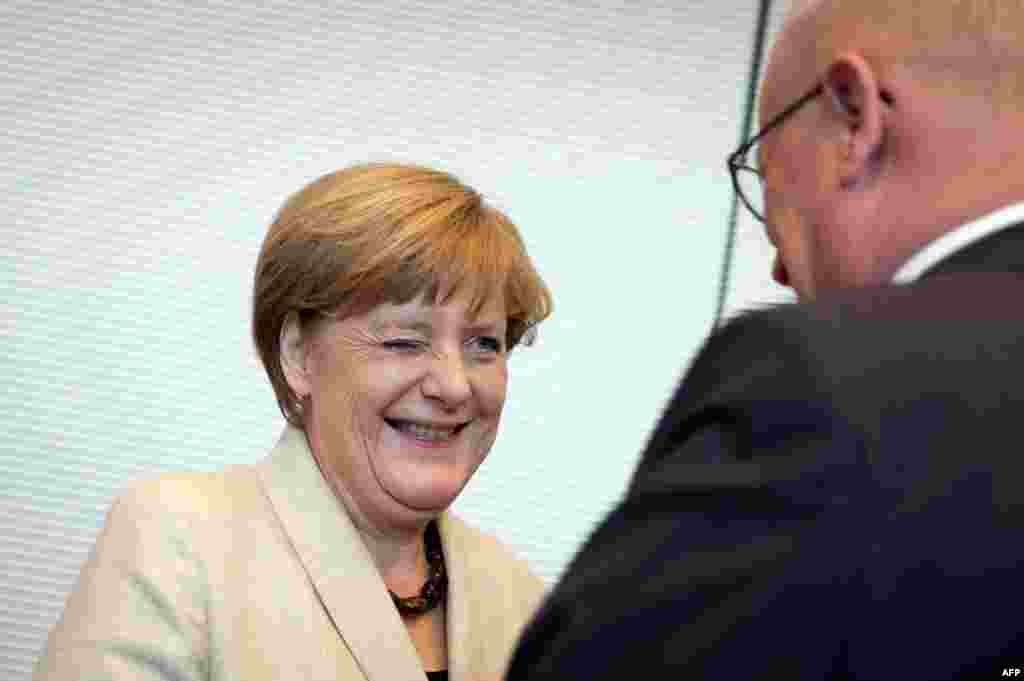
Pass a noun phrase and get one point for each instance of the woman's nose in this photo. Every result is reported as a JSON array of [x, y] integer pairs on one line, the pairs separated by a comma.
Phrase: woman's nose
[[447, 380]]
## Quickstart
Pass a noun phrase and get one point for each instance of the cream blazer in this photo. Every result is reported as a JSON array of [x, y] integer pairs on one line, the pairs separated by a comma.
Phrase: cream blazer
[[257, 573]]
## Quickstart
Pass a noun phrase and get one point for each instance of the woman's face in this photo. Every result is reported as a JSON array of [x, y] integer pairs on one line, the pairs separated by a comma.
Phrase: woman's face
[[404, 404]]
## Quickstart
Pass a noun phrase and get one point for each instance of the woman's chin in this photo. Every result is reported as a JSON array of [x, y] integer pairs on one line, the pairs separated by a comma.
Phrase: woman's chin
[[432, 497], [427, 503], [422, 484]]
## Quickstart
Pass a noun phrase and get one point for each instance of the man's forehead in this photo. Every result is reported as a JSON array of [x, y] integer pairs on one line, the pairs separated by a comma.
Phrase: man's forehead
[[798, 8], [790, 67], [778, 87]]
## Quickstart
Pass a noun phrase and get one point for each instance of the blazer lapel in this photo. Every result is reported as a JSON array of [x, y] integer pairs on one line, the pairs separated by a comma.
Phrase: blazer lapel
[[470, 654], [337, 562], [457, 613]]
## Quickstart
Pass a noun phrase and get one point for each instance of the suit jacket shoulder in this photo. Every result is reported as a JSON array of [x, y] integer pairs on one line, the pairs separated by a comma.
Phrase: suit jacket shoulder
[[830, 490], [853, 358]]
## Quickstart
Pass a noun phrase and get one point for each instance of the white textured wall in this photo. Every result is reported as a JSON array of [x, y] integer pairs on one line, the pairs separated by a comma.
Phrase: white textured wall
[[146, 145]]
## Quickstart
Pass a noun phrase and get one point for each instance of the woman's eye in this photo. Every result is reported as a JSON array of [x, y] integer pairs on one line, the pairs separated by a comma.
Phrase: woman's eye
[[403, 344], [487, 344]]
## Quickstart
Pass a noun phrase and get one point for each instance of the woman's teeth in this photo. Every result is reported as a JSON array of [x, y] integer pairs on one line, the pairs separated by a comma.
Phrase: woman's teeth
[[422, 432]]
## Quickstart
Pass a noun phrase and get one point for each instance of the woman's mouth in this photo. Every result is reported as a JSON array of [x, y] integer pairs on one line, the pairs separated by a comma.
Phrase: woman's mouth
[[426, 432]]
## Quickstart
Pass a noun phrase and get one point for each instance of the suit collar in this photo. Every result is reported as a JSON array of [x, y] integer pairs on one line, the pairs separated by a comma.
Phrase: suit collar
[[337, 562], [344, 576], [967, 247], [469, 655], [1000, 251]]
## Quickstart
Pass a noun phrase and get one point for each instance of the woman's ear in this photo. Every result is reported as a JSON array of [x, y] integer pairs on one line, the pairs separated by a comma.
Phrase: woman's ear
[[293, 356], [853, 96]]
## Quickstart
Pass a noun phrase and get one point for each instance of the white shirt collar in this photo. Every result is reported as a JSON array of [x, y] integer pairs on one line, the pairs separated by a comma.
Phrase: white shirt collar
[[948, 244]]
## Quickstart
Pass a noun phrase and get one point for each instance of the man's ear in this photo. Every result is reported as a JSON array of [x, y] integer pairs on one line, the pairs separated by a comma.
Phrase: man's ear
[[293, 356], [853, 96]]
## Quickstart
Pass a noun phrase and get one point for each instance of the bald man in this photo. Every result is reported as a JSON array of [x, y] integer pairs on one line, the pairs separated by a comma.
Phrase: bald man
[[837, 489]]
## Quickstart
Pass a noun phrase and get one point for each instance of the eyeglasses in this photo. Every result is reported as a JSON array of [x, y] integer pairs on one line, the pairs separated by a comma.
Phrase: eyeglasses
[[746, 180]]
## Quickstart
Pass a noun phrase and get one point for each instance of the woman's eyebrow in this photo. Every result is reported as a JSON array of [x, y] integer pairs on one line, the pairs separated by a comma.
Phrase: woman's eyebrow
[[419, 325], [482, 327]]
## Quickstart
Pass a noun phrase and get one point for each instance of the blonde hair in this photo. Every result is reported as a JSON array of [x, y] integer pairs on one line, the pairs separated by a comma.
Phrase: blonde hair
[[380, 232]]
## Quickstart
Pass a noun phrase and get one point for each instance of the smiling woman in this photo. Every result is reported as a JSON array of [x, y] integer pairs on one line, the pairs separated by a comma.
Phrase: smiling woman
[[387, 298], [401, 402]]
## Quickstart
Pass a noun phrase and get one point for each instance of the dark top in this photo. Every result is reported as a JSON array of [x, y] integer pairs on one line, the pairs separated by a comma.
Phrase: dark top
[[835, 491], [440, 675]]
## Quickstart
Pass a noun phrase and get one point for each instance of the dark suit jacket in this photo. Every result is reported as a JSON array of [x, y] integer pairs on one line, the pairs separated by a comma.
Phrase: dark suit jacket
[[836, 490]]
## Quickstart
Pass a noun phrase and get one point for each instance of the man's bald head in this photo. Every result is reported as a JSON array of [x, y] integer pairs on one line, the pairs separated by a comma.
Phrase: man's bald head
[[985, 22], [974, 46], [919, 127]]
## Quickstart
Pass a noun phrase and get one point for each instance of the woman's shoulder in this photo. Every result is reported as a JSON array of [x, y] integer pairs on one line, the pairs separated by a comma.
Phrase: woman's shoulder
[[200, 495]]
